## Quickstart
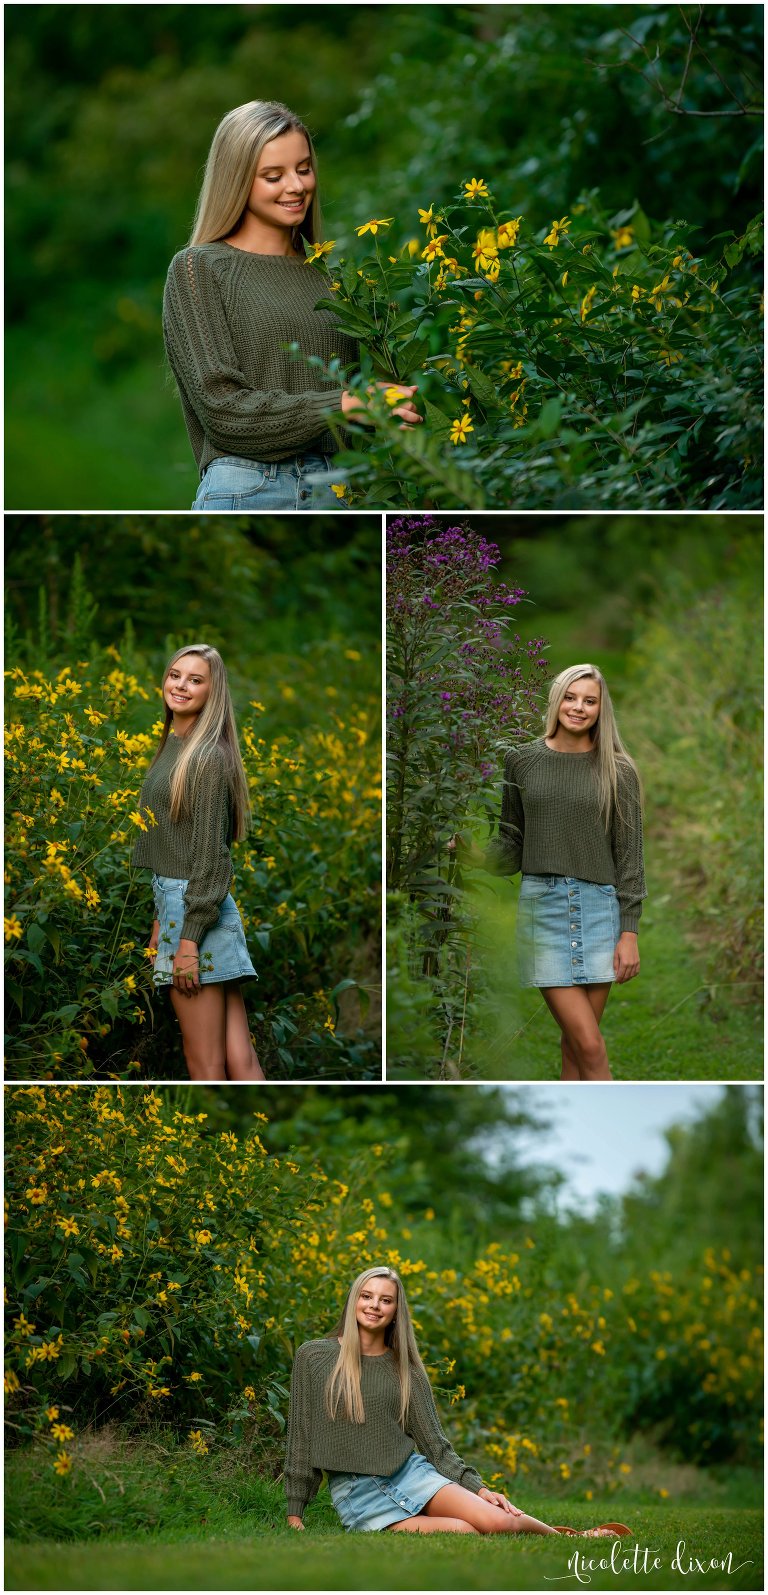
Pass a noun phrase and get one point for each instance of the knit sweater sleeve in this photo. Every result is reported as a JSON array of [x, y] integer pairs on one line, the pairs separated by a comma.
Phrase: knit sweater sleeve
[[302, 1481], [237, 418], [423, 1426], [504, 853], [627, 849], [211, 870]]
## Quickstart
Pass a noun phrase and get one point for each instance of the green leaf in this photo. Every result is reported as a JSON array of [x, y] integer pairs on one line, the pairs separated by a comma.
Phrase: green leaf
[[142, 1317], [482, 386], [36, 937], [438, 424], [549, 417]]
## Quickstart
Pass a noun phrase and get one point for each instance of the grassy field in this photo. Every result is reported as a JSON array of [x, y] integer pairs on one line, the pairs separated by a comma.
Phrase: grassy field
[[668, 1023], [324, 1559]]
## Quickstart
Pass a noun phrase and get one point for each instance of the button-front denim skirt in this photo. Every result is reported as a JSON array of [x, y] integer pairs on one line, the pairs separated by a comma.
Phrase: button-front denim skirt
[[223, 953], [366, 1501], [567, 931], [304, 483]]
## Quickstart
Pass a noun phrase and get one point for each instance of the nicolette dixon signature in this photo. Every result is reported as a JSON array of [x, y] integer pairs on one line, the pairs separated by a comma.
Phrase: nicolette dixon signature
[[642, 1559]]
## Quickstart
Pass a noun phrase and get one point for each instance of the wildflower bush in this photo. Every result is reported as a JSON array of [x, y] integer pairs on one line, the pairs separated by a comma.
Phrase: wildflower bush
[[78, 917], [461, 684], [158, 1270], [602, 361]]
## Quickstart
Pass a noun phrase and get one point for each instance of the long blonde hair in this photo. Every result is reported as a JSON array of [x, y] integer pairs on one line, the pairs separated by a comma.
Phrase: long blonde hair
[[213, 733], [231, 166], [344, 1382], [612, 756]]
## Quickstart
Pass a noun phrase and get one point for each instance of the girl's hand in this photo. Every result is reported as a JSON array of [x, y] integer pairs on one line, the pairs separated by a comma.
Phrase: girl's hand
[[155, 937], [186, 969], [500, 1500], [295, 1523], [409, 415], [626, 958], [468, 852]]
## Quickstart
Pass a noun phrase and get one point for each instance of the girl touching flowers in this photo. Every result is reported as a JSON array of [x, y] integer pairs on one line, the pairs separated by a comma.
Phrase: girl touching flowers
[[240, 323]]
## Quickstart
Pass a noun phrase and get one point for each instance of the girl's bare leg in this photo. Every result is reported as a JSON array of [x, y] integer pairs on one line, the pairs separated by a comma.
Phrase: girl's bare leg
[[433, 1525], [453, 1501], [598, 997], [574, 1012], [241, 1060], [203, 1031]]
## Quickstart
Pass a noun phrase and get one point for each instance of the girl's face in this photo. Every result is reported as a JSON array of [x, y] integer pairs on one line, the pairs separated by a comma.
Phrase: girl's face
[[282, 190], [580, 707], [187, 685], [377, 1303]]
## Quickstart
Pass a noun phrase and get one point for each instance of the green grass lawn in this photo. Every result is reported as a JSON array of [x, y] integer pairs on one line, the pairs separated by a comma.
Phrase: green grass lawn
[[666, 1024], [325, 1559]]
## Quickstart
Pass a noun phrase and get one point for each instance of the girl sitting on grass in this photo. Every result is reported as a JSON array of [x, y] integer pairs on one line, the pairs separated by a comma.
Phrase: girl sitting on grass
[[362, 1411]]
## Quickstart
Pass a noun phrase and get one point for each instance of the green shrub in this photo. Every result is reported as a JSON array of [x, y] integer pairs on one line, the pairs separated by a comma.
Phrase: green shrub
[[597, 363]]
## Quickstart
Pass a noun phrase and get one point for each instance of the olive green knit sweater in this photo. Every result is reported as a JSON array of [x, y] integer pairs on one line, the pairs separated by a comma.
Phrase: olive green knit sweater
[[551, 825], [194, 848], [228, 317], [379, 1445]]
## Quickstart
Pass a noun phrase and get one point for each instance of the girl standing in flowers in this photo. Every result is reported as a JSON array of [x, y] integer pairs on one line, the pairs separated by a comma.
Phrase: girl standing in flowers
[[195, 804], [236, 299], [571, 819], [362, 1411]]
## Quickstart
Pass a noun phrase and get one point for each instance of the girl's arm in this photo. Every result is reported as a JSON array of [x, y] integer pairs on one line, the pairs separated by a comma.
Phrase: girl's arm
[[238, 418], [504, 853], [212, 867], [423, 1425], [302, 1481], [627, 850]]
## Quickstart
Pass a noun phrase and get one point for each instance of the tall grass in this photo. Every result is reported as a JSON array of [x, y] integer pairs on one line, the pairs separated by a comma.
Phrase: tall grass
[[694, 704]]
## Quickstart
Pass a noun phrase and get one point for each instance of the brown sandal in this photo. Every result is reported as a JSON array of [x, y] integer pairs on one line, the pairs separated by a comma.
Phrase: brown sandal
[[603, 1531]]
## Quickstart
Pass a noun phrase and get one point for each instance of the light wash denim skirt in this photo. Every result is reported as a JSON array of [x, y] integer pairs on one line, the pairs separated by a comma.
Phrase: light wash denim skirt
[[567, 931], [304, 483], [366, 1501], [223, 953]]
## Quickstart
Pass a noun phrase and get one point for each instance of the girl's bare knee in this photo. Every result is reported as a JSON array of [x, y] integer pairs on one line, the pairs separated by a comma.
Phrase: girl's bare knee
[[460, 1527]]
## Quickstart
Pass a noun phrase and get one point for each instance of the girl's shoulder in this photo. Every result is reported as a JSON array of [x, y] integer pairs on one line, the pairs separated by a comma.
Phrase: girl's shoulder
[[198, 260], [520, 756], [315, 1351]]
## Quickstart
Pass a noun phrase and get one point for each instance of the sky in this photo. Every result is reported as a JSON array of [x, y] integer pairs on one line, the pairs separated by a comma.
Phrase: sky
[[602, 1135]]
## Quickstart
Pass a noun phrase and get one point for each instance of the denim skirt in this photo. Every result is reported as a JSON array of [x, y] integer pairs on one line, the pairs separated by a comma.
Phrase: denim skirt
[[366, 1501], [304, 483], [223, 953], [567, 931]]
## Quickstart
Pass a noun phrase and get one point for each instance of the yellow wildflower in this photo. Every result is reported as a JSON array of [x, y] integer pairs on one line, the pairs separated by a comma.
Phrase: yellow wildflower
[[460, 428], [374, 225], [476, 188], [318, 250], [553, 236]]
